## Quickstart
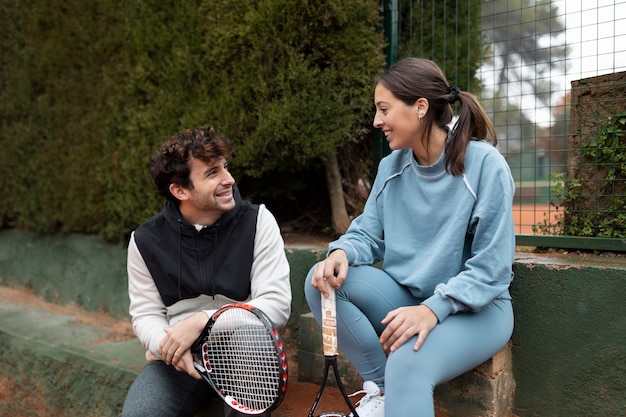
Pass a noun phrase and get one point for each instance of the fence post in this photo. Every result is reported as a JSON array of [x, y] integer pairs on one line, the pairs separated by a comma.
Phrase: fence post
[[389, 8]]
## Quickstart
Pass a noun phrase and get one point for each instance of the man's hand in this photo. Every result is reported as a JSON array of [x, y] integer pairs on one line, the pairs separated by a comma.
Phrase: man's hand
[[185, 364], [405, 322], [179, 338]]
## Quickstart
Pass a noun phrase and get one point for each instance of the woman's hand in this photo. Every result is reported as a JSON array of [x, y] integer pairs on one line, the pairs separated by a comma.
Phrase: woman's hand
[[405, 322], [333, 270]]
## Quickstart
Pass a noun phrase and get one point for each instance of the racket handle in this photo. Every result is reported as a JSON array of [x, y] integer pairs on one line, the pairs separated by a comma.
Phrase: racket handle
[[329, 322]]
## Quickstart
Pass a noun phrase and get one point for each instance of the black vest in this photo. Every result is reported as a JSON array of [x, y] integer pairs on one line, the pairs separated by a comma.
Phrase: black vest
[[186, 263]]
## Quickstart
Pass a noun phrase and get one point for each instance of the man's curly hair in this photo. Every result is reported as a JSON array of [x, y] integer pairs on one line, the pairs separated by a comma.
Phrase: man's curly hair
[[170, 164]]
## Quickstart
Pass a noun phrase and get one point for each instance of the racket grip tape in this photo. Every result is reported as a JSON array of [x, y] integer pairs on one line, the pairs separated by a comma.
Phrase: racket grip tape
[[329, 322]]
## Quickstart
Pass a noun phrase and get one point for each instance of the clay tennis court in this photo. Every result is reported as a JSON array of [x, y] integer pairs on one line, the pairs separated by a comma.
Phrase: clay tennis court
[[527, 215]]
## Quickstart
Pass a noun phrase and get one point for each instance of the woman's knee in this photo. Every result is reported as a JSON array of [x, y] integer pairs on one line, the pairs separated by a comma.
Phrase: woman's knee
[[411, 374], [418, 366]]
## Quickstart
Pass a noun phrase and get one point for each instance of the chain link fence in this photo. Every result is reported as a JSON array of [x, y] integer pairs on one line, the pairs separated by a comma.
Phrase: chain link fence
[[552, 76]]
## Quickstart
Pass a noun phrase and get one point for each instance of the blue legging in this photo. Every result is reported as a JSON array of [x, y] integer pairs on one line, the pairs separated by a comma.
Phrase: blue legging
[[458, 344]]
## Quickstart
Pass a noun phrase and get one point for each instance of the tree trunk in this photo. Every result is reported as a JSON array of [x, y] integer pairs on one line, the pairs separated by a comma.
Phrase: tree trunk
[[340, 217]]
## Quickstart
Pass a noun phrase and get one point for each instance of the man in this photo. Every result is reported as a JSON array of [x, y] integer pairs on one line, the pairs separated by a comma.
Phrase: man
[[205, 249]]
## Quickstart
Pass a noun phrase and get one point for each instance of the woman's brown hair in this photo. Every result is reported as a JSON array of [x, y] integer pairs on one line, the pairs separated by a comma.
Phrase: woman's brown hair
[[414, 78]]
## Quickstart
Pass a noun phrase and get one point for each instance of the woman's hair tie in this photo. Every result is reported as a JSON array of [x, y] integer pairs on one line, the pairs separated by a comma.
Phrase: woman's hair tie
[[454, 94]]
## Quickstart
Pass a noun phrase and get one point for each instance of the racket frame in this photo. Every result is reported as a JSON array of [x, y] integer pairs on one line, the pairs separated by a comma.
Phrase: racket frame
[[331, 362], [279, 349]]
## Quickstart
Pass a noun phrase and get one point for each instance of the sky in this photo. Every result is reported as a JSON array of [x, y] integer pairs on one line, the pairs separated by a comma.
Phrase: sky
[[595, 33], [596, 36]]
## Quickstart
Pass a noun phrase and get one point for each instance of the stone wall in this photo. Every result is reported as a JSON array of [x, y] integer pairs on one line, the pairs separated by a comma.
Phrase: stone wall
[[595, 102]]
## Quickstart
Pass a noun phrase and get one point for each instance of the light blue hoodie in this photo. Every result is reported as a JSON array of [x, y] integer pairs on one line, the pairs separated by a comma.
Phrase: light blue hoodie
[[449, 239]]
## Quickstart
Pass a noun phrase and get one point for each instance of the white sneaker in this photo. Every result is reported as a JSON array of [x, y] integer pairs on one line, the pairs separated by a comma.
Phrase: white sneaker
[[372, 404]]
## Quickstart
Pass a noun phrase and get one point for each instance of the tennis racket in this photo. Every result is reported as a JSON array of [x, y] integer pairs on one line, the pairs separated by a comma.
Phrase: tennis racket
[[329, 343], [242, 357]]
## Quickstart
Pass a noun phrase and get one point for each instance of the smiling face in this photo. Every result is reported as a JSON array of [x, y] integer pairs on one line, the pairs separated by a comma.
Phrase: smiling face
[[210, 194], [399, 121]]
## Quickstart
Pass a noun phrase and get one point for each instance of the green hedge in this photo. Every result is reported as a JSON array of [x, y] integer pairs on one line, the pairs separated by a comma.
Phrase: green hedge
[[91, 88]]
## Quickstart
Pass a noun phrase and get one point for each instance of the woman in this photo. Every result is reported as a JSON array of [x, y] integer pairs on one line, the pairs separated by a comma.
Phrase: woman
[[439, 218]]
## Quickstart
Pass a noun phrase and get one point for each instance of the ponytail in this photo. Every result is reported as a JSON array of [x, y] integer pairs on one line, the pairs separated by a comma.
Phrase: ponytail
[[473, 124]]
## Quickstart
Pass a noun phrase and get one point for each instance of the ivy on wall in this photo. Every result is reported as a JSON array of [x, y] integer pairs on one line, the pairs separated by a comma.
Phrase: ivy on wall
[[605, 153]]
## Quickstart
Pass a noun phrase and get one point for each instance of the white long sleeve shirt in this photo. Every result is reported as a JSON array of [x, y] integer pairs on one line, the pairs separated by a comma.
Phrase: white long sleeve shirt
[[269, 278]]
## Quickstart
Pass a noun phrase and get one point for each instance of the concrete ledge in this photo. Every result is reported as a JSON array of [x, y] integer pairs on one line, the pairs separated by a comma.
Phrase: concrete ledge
[[486, 391], [66, 362], [53, 365], [567, 347]]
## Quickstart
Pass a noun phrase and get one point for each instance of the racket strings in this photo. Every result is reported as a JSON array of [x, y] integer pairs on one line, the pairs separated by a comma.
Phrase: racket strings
[[242, 357]]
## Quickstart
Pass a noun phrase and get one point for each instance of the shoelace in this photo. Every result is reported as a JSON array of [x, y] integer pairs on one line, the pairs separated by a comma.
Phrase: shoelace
[[366, 398]]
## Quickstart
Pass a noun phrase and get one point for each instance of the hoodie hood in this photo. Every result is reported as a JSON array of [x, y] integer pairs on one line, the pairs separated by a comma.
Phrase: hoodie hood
[[186, 263]]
